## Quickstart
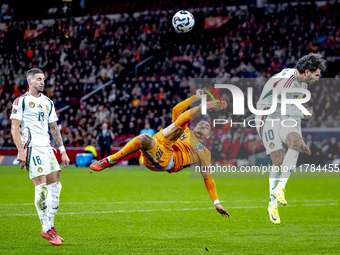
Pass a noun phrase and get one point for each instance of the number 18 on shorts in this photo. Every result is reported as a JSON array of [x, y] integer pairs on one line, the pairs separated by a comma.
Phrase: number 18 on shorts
[[40, 161]]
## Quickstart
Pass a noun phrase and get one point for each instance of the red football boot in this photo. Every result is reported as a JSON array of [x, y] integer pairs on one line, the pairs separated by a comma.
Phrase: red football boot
[[52, 238], [101, 165], [54, 231]]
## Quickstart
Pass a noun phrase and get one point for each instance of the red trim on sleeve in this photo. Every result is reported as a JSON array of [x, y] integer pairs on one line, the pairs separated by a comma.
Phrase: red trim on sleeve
[[288, 81], [16, 101]]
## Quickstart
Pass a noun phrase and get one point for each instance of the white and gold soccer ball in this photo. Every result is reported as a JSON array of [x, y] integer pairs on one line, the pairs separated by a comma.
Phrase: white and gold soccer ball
[[183, 21]]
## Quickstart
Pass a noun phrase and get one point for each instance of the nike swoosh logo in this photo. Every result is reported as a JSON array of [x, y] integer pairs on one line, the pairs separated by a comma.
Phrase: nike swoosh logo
[[273, 217], [275, 84]]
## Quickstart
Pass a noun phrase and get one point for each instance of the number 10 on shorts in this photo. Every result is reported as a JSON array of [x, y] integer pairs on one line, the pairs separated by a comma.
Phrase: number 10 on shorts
[[269, 134]]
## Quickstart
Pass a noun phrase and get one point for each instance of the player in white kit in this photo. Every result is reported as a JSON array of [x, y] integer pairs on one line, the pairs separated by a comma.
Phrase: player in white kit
[[275, 133], [33, 114]]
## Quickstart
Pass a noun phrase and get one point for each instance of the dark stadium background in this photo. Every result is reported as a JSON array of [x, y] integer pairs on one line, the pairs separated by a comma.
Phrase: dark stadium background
[[255, 43]]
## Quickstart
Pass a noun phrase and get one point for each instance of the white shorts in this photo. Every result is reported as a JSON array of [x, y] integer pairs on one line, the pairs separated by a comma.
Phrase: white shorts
[[40, 161], [274, 133]]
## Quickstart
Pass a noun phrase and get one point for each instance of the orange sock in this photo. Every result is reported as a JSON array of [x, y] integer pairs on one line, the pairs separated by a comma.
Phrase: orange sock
[[184, 119], [134, 145]]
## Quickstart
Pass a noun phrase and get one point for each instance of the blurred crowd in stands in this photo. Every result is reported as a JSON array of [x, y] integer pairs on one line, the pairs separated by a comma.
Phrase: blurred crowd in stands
[[79, 55]]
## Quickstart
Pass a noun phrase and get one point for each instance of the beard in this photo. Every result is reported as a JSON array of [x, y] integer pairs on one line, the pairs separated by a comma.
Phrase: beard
[[39, 90], [310, 82]]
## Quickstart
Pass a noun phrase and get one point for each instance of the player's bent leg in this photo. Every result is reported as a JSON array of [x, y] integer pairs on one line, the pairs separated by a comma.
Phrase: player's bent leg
[[131, 147], [157, 153], [172, 132], [294, 143], [184, 119], [279, 194], [147, 141], [176, 129]]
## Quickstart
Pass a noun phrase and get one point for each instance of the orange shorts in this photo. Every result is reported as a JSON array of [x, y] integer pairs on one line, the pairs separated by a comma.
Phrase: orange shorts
[[160, 157]]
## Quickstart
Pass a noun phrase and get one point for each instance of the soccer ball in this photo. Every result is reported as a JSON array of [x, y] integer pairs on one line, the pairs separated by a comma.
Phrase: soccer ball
[[183, 21]]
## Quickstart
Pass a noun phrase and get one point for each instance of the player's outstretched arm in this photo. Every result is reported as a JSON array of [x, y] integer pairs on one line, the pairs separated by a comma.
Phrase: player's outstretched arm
[[17, 140], [55, 132], [178, 109], [211, 187]]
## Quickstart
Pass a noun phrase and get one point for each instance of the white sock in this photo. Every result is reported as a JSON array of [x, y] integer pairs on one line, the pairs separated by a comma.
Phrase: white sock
[[54, 190], [40, 205], [109, 160], [274, 178], [288, 165]]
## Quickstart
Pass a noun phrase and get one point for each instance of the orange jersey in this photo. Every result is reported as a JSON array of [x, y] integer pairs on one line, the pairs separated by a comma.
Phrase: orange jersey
[[187, 150]]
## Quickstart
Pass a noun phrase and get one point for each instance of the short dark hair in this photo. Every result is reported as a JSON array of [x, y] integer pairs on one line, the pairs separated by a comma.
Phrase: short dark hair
[[311, 62], [33, 71]]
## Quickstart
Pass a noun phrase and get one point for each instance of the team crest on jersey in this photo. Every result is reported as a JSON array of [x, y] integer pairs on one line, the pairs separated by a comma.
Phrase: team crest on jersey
[[199, 147], [47, 108], [14, 111], [31, 104], [40, 169], [271, 145]]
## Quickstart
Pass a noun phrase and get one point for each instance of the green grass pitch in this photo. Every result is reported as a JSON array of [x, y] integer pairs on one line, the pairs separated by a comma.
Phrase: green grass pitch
[[126, 210]]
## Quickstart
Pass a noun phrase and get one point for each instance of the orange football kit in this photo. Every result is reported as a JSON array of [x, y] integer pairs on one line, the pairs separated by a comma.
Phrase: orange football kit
[[173, 156]]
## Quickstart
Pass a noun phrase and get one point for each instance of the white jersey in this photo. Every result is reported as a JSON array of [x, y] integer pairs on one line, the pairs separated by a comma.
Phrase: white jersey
[[35, 113], [284, 79]]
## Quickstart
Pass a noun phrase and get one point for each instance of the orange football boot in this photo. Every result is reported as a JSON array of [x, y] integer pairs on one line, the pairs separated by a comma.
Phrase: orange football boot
[[101, 165]]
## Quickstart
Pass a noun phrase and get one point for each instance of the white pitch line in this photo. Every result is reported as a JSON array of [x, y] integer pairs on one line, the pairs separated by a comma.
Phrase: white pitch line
[[171, 202], [313, 205], [162, 210]]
